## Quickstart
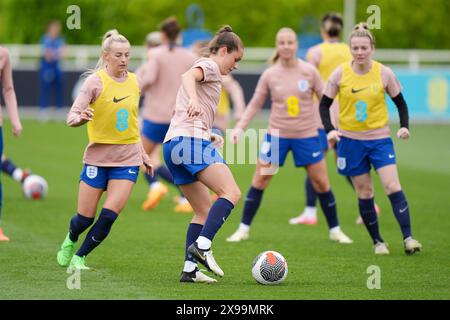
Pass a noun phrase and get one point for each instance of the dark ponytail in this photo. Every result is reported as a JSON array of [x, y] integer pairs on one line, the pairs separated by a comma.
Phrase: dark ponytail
[[225, 37], [332, 24], [171, 29]]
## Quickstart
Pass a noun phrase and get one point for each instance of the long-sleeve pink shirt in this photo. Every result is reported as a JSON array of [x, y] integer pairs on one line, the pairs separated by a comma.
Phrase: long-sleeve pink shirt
[[391, 86], [100, 154], [8, 87], [208, 92], [293, 112], [161, 78]]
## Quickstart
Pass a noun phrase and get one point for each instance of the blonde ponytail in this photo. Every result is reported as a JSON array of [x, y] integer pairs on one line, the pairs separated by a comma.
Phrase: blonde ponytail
[[108, 38], [362, 30], [274, 58]]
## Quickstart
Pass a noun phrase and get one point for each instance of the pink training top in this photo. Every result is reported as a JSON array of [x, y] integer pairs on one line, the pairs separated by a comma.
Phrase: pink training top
[[161, 78], [208, 93], [291, 89], [234, 90], [100, 154], [7, 85], [392, 88]]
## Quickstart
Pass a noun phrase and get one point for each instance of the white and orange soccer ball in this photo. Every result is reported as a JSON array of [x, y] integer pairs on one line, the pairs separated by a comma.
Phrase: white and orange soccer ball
[[269, 267], [35, 187]]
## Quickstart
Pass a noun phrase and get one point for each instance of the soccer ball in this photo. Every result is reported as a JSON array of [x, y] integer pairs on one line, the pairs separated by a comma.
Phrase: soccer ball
[[269, 267], [35, 187]]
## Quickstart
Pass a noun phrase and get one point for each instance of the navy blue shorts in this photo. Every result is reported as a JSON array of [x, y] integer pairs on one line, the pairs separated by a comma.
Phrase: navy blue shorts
[[98, 177], [154, 131], [186, 156], [306, 151], [355, 157]]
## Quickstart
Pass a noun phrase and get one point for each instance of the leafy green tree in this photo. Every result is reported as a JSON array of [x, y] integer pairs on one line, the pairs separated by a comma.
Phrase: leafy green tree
[[404, 23]]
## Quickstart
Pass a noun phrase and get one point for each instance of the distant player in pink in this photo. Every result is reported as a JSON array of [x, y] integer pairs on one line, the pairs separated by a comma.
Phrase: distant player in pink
[[363, 133], [161, 78], [9, 95], [108, 103], [192, 158], [292, 84]]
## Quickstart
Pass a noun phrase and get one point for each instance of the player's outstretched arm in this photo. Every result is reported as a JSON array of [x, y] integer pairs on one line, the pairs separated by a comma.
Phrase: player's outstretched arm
[[10, 96]]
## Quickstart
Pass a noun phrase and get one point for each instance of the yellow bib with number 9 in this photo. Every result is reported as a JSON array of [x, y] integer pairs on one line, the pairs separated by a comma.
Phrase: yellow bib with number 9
[[293, 108]]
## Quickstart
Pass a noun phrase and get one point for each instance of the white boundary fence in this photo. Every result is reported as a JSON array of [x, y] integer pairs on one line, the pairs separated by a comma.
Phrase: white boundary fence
[[80, 57]]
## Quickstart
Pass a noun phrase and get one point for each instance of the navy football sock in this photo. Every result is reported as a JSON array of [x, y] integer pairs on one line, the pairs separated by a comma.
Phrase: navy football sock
[[98, 232], [401, 212], [8, 167], [164, 173], [78, 224], [150, 179], [252, 202], [369, 216], [217, 215], [193, 233], [328, 204], [311, 195]]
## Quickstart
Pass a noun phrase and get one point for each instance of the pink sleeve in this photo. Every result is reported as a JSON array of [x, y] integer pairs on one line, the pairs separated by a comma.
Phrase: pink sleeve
[[333, 83], [139, 78], [90, 91], [256, 103], [236, 93], [317, 84], [209, 70], [147, 73], [8, 90], [390, 82], [314, 55]]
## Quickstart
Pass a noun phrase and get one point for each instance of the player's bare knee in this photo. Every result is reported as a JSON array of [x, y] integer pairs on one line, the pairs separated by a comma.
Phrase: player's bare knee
[[236, 195], [116, 207], [321, 185], [392, 187], [365, 192], [261, 182], [90, 213], [233, 195], [200, 216]]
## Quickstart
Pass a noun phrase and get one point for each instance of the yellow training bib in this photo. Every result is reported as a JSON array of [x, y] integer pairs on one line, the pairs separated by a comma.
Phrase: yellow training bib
[[223, 109], [115, 111], [362, 99], [333, 55]]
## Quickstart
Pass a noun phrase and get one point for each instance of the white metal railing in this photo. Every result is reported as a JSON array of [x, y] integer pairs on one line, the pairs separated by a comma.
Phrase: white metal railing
[[80, 57]]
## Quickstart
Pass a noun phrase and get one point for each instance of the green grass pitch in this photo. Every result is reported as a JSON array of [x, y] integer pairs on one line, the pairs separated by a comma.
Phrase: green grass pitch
[[143, 255]]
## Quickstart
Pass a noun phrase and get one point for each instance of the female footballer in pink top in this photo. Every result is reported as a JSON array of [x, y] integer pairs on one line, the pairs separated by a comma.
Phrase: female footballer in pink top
[[161, 78], [292, 84], [108, 104], [364, 135], [230, 89], [11, 105], [193, 160]]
